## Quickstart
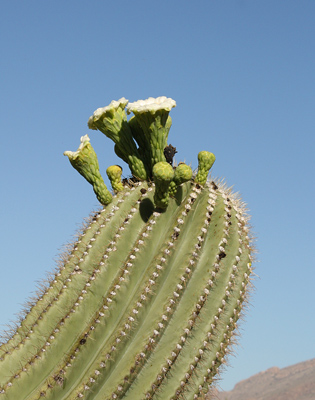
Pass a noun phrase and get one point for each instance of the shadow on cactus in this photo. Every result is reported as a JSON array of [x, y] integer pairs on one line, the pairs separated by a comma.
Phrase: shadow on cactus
[[146, 303]]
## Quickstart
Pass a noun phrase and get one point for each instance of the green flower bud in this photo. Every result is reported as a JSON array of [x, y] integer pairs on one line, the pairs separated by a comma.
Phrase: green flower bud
[[114, 174], [205, 162], [163, 174], [183, 173]]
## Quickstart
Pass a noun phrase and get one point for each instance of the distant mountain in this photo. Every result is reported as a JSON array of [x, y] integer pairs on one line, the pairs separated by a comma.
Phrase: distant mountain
[[296, 382]]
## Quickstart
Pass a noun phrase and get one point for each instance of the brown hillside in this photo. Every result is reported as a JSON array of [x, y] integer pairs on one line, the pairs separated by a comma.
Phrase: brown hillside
[[296, 382]]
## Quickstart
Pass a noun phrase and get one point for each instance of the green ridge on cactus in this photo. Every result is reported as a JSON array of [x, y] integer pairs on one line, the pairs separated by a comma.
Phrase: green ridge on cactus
[[146, 303]]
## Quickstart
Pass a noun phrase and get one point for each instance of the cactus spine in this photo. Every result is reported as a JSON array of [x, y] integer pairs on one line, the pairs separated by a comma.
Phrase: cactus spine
[[145, 304]]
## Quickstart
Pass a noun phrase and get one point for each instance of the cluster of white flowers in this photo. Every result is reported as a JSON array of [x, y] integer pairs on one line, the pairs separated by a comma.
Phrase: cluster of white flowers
[[138, 107]]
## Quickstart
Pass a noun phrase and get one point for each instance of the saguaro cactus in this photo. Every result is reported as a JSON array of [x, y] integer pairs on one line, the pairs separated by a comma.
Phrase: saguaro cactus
[[145, 304]]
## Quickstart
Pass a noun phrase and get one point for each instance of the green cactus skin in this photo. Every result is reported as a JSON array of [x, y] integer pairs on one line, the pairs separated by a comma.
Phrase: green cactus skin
[[143, 306]]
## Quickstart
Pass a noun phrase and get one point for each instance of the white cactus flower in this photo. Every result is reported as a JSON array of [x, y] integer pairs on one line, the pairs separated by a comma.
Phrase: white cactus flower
[[73, 154], [113, 106], [151, 105]]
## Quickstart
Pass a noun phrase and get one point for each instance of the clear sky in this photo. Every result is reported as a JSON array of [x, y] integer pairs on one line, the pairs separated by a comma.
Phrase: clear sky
[[243, 75]]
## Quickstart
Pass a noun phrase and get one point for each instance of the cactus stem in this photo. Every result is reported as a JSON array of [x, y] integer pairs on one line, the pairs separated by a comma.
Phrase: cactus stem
[[145, 303], [170, 279]]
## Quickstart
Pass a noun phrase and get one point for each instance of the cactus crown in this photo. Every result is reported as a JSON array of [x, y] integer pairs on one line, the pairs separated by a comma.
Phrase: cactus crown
[[146, 303], [142, 143]]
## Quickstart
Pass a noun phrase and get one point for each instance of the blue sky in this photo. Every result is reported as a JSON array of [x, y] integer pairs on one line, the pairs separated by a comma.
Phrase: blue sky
[[243, 76]]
